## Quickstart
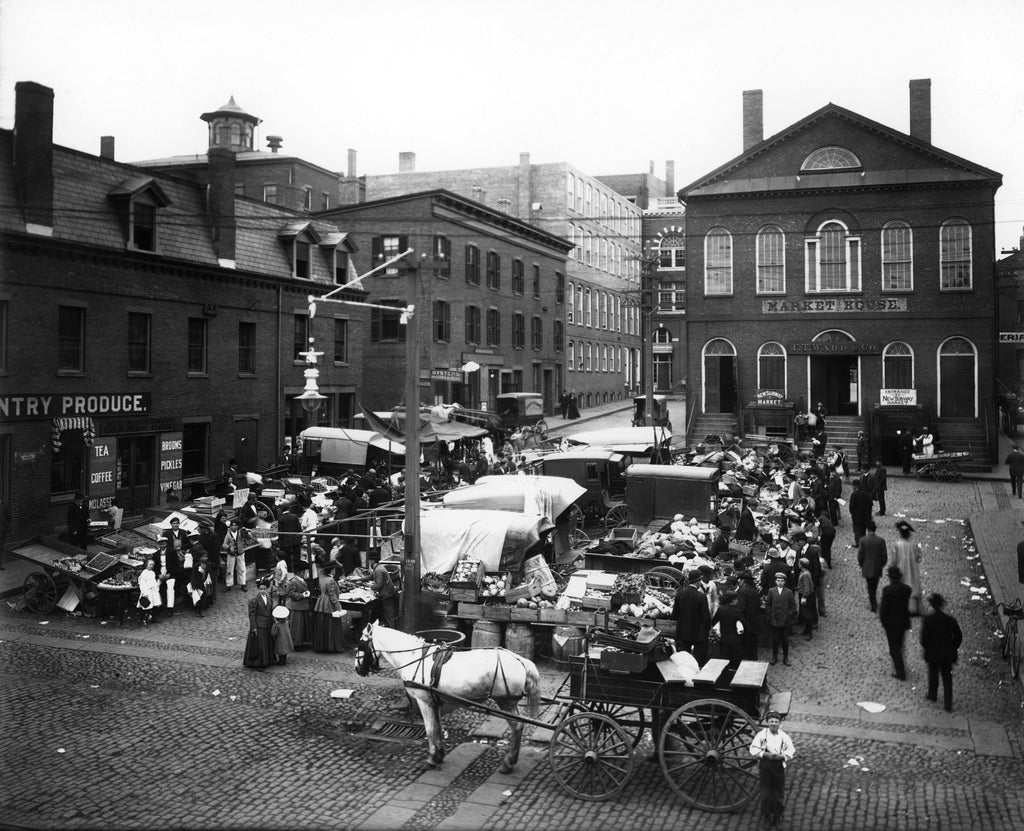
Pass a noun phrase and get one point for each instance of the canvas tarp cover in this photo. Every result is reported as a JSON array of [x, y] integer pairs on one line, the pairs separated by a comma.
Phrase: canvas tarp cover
[[499, 539]]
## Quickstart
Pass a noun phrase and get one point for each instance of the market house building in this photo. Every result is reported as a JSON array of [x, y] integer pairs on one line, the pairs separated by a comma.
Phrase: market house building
[[151, 324], [497, 303], [844, 262]]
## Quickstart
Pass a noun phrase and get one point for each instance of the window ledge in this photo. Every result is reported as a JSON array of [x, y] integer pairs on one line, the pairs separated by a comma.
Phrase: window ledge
[[70, 373], [136, 373], [246, 374], [957, 290], [197, 375]]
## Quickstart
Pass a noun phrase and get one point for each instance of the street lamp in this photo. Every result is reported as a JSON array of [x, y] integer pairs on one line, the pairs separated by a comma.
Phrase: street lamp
[[311, 399]]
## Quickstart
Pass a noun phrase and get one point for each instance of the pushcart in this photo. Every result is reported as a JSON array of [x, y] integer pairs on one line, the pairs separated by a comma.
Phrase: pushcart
[[943, 466], [108, 578]]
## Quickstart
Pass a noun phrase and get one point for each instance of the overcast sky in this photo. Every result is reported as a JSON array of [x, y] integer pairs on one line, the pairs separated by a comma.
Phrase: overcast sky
[[607, 86]]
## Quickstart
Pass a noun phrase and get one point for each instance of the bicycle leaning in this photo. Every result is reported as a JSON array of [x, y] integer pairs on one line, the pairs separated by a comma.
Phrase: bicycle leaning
[[1011, 636]]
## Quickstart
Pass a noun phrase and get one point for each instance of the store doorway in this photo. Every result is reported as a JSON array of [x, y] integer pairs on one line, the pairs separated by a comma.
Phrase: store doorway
[[720, 388], [246, 443], [834, 383], [136, 473]]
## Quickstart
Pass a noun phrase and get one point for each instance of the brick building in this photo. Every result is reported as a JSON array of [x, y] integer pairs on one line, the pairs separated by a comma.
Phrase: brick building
[[664, 234], [150, 324], [498, 302], [844, 262], [603, 228]]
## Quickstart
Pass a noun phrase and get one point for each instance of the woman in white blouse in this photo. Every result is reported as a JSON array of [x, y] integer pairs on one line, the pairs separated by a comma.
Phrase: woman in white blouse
[[773, 748]]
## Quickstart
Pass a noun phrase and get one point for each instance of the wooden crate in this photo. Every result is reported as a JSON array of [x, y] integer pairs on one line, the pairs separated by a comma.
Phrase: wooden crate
[[573, 618], [529, 590], [525, 615], [468, 591], [488, 598], [623, 662], [497, 611], [552, 615], [471, 610], [597, 603], [666, 625]]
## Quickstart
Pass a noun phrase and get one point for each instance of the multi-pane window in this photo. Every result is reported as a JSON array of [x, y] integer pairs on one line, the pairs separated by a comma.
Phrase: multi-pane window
[[197, 345], [340, 266], [832, 259], [67, 465], [493, 327], [493, 270], [300, 336], [472, 324], [604, 254], [385, 248], [246, 348], [897, 257], [386, 325], [771, 261], [558, 335], [442, 321], [671, 297], [518, 330], [672, 251], [139, 341], [572, 241], [587, 308], [570, 356], [341, 340], [570, 306], [587, 200], [559, 288], [536, 333], [518, 277], [587, 352], [195, 444], [955, 255], [579, 305], [143, 226], [536, 282], [604, 357], [301, 265], [71, 339], [604, 310], [898, 366], [270, 193], [472, 265], [307, 198], [588, 252], [718, 262], [579, 196], [771, 367], [441, 247]]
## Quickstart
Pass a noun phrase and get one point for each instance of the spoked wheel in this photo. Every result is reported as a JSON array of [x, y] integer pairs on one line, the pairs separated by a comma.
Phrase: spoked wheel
[[617, 515], [40, 592], [1011, 646], [541, 429], [704, 750], [578, 538], [945, 472], [591, 756], [665, 577], [632, 720]]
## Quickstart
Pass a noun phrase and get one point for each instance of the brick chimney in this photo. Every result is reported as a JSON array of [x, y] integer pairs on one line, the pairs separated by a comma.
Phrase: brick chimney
[[222, 202], [107, 147], [33, 154], [523, 190], [351, 174], [670, 178], [407, 162], [921, 109], [753, 118]]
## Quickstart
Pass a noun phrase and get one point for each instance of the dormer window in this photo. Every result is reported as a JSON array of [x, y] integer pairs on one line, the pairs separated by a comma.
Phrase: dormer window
[[301, 266], [143, 226], [138, 200], [300, 237], [832, 157], [337, 247]]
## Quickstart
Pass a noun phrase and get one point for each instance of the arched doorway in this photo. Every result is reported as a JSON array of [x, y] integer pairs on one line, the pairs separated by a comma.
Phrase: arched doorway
[[958, 379], [834, 374], [719, 366]]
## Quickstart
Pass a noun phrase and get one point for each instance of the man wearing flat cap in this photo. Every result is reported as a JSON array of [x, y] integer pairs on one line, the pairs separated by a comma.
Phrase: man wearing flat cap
[[894, 615], [692, 614]]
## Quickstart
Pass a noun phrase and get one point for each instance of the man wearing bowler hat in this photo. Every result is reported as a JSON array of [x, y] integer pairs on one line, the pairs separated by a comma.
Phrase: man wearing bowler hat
[[894, 615]]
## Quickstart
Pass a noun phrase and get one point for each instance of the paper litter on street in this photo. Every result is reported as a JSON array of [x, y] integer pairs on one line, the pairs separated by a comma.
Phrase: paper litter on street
[[341, 693], [871, 706]]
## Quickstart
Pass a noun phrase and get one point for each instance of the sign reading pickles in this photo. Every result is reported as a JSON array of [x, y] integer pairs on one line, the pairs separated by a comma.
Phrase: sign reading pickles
[[170, 462]]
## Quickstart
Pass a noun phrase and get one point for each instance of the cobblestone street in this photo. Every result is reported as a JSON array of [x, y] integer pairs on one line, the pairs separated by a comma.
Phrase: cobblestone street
[[161, 727]]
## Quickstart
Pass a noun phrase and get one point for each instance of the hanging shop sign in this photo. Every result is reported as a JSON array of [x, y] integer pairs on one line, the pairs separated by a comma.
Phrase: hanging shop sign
[[897, 397], [445, 375], [53, 405], [170, 462], [769, 398], [1011, 337], [835, 305]]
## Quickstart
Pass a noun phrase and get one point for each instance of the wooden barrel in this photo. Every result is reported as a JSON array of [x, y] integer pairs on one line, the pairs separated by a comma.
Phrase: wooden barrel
[[486, 634], [566, 641], [519, 639]]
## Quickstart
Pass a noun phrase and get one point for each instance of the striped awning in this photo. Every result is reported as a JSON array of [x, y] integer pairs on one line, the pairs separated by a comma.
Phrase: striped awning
[[83, 423]]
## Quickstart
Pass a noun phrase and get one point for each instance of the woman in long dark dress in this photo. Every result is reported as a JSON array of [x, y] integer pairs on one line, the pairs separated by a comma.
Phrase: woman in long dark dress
[[259, 646], [574, 406], [328, 619]]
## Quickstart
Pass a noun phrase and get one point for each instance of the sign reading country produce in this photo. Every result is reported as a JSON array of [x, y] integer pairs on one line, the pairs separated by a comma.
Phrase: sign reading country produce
[[57, 405]]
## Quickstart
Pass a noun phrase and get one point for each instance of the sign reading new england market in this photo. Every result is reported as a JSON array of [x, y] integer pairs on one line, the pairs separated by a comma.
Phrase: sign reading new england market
[[56, 405]]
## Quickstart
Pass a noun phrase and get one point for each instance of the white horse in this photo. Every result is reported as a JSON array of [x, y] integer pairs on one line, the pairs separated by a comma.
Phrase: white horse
[[475, 674]]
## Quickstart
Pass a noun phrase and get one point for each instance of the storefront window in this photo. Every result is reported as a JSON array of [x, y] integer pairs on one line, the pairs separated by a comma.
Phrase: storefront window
[[67, 466]]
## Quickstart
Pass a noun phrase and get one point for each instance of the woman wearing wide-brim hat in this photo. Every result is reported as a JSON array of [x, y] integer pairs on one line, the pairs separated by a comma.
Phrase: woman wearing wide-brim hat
[[907, 558]]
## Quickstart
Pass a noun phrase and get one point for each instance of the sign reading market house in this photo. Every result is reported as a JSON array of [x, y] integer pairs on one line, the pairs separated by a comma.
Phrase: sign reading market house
[[834, 305], [53, 405], [897, 397]]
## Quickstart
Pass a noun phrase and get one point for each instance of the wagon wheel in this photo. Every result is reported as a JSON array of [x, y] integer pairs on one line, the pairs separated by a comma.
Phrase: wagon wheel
[[704, 750], [591, 756], [945, 471], [578, 538], [617, 515], [40, 592], [632, 720], [540, 429], [665, 577]]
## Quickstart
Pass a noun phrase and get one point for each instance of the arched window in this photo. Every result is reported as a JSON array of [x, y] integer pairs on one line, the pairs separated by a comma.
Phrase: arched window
[[718, 262], [897, 257], [771, 261], [955, 255], [898, 366], [832, 259], [672, 251], [958, 379], [662, 335], [830, 158], [771, 367]]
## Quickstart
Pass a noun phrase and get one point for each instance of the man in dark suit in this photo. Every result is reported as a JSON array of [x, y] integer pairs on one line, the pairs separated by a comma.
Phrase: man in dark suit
[[731, 627], [872, 555], [693, 619], [289, 537], [834, 492], [1015, 463], [747, 528], [168, 570], [827, 534], [719, 549], [940, 638], [78, 521], [879, 485], [776, 565], [749, 602], [249, 512], [894, 615], [807, 548], [563, 405], [781, 614], [860, 510], [906, 444], [178, 539]]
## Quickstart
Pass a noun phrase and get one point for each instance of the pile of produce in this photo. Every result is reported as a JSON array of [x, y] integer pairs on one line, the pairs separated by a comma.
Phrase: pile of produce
[[71, 564], [466, 571], [494, 585]]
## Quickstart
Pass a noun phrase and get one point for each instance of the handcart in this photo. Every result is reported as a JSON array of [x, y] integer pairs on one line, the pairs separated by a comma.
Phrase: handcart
[[943, 466], [110, 579]]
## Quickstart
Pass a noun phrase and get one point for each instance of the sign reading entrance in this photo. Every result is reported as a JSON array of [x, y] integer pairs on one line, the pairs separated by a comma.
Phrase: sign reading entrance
[[835, 305], [897, 398]]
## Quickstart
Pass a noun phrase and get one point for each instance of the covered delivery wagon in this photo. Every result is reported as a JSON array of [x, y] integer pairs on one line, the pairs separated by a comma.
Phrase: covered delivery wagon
[[656, 493], [336, 449]]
